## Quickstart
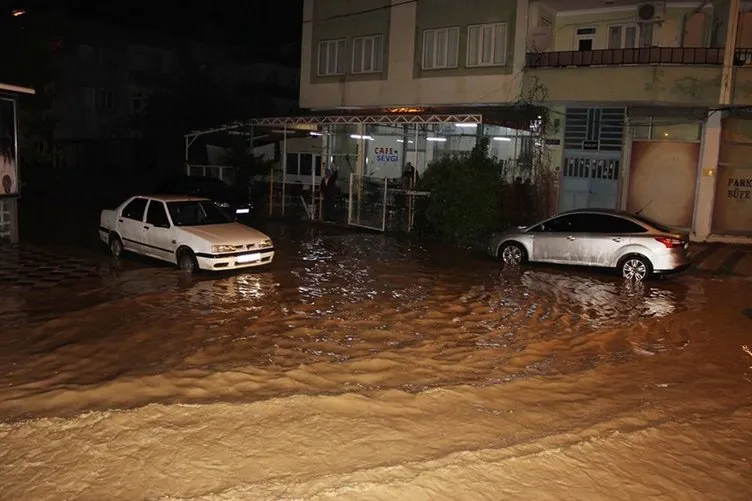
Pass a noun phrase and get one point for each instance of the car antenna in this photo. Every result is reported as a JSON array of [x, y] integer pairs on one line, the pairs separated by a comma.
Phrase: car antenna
[[643, 208]]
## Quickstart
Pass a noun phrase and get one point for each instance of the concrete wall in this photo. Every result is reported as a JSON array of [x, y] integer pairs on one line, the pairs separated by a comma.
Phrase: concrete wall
[[399, 84]]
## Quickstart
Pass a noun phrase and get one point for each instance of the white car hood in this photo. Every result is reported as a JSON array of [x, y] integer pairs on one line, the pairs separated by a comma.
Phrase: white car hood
[[229, 233]]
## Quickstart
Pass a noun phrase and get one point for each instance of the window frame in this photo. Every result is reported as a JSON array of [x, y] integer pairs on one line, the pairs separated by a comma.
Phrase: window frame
[[153, 203], [339, 55], [363, 40], [623, 27], [434, 31], [578, 37], [143, 213], [480, 28]]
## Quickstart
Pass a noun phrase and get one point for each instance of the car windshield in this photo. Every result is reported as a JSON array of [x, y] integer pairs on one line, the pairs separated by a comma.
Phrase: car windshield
[[650, 222], [196, 213]]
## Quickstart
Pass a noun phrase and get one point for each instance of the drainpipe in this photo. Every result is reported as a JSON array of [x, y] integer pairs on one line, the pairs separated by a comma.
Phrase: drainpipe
[[727, 77]]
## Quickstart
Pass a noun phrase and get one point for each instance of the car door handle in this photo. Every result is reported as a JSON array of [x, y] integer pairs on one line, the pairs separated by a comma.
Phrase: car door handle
[[616, 239], [120, 220], [570, 238], [146, 227]]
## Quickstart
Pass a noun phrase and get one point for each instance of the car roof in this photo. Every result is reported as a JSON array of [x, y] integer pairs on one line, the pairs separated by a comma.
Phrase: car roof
[[174, 198], [611, 212]]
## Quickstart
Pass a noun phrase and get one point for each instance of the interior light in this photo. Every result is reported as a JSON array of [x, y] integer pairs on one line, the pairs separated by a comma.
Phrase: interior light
[[402, 141], [466, 125], [315, 133], [665, 134], [437, 139], [499, 138], [358, 136]]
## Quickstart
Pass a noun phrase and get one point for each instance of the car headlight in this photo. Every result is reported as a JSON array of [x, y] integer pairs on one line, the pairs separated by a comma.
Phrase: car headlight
[[220, 249], [267, 243]]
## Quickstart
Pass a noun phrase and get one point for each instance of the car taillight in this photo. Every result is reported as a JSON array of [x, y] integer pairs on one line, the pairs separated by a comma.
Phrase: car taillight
[[671, 243]]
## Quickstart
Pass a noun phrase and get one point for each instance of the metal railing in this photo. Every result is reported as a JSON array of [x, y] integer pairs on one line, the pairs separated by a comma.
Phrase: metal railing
[[620, 57]]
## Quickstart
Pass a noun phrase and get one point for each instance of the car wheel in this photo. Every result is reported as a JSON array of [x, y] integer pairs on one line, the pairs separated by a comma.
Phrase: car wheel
[[512, 253], [635, 268], [187, 262], [116, 246]]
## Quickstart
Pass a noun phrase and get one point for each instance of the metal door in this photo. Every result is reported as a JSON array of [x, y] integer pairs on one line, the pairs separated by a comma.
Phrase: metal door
[[590, 179], [592, 158]]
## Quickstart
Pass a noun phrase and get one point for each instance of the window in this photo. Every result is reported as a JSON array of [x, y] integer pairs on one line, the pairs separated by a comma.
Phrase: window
[[559, 225], [487, 45], [90, 98], [292, 164], [601, 223], [306, 164], [331, 58], [367, 54], [622, 37], [135, 209], [157, 215], [107, 101], [585, 38], [440, 48], [138, 102]]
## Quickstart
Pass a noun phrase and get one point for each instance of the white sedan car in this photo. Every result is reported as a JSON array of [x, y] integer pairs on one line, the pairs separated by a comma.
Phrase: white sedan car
[[192, 232]]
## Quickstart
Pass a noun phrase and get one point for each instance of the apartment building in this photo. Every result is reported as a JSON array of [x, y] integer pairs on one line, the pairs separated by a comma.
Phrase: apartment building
[[643, 112]]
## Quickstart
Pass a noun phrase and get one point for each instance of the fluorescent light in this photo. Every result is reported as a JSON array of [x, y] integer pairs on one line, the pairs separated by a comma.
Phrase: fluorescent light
[[466, 125], [358, 136], [315, 133], [402, 141], [499, 138], [438, 139]]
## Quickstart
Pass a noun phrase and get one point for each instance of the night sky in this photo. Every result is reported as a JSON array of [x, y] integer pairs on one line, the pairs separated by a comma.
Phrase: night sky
[[251, 24]]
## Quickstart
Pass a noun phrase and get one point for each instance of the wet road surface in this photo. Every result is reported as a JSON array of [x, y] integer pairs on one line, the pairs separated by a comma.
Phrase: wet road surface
[[414, 354]]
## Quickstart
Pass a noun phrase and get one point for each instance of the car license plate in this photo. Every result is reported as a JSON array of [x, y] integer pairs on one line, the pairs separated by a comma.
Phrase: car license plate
[[249, 258]]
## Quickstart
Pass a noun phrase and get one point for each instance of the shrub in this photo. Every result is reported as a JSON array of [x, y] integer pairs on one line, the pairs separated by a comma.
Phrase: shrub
[[464, 203], [472, 196]]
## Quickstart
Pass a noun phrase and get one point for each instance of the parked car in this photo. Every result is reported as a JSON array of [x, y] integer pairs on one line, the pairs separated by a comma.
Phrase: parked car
[[637, 246], [233, 200], [191, 232]]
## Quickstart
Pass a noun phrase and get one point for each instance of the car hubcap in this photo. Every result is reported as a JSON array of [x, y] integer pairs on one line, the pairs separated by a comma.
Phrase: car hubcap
[[511, 255], [634, 269]]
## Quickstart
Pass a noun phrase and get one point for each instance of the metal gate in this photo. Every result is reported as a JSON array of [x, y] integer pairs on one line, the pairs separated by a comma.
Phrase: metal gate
[[367, 202], [590, 179], [592, 158]]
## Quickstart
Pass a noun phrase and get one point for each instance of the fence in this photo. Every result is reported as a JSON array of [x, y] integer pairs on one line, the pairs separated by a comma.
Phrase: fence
[[367, 202]]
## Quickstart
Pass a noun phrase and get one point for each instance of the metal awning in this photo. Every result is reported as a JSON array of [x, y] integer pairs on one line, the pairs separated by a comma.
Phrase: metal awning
[[16, 89], [514, 116]]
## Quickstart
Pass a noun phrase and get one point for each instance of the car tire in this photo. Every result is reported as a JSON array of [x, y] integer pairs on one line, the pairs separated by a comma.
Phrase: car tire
[[116, 245], [187, 261], [512, 254], [635, 268]]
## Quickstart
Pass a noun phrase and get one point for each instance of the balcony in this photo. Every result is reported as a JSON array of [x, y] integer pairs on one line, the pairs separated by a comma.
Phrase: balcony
[[624, 57]]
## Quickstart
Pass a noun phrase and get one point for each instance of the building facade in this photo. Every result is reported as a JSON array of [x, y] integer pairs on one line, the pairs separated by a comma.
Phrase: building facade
[[646, 107]]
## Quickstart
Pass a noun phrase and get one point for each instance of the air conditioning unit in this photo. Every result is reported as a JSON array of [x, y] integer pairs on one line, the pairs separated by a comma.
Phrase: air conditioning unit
[[651, 12]]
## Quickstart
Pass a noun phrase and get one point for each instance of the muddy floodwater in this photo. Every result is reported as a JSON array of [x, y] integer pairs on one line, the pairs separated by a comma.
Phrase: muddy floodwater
[[363, 367]]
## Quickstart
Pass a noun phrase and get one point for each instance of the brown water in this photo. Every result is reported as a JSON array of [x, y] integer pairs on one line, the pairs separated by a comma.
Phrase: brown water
[[361, 367]]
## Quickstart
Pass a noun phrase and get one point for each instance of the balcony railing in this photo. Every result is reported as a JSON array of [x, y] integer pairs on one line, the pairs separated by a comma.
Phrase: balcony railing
[[620, 57]]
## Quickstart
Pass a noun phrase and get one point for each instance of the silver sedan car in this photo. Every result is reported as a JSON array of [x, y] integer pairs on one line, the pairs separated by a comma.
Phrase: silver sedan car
[[633, 244]]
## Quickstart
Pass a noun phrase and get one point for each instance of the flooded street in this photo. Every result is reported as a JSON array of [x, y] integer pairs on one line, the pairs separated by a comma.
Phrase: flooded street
[[360, 366]]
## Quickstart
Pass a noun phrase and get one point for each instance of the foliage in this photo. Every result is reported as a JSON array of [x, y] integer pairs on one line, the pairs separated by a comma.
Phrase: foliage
[[465, 196]]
